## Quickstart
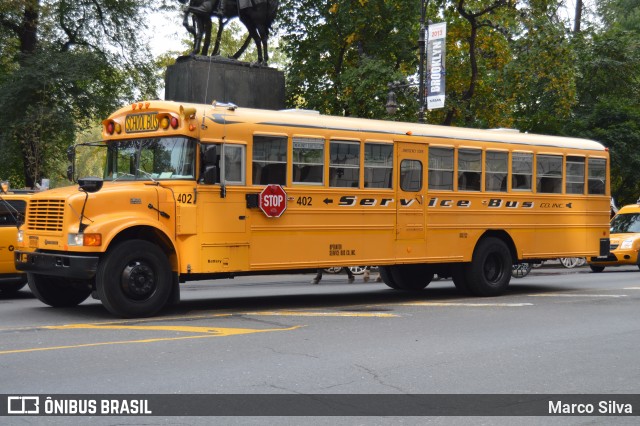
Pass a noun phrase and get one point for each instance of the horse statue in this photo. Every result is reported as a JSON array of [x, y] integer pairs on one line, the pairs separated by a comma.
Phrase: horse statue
[[256, 15]]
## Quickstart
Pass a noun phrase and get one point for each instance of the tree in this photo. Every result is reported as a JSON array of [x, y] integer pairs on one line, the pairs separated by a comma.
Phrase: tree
[[608, 107], [343, 53], [63, 64]]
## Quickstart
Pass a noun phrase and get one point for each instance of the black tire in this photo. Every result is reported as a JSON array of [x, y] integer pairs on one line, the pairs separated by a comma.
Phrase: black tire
[[411, 277], [490, 270], [459, 277], [134, 279], [387, 278], [12, 288], [59, 292], [595, 268]]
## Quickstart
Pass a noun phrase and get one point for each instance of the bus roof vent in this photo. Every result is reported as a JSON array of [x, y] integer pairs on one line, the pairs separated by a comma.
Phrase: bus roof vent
[[229, 105], [505, 130], [301, 111]]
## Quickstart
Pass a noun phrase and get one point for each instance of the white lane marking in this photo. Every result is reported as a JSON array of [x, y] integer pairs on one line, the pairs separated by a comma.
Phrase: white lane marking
[[577, 295], [478, 305]]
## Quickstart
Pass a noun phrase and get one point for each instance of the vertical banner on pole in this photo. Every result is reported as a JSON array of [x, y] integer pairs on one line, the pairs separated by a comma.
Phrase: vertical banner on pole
[[436, 52]]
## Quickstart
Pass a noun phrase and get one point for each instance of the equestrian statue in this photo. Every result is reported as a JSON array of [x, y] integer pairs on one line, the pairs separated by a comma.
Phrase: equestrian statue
[[256, 15]]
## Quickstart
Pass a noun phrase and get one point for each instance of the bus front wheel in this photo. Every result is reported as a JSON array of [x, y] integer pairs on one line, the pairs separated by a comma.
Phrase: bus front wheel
[[58, 292], [595, 268], [134, 279], [490, 270]]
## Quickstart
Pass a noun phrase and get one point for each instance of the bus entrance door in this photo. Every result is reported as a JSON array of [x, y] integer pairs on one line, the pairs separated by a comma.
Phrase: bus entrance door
[[410, 205]]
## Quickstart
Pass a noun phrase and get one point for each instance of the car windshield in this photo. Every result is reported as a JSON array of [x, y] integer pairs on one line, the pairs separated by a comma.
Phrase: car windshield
[[151, 159], [11, 212], [625, 223]]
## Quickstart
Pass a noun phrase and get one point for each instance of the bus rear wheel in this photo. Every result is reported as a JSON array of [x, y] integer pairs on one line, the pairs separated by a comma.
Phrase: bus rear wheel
[[490, 270], [59, 292], [412, 277], [387, 278], [595, 268], [134, 279]]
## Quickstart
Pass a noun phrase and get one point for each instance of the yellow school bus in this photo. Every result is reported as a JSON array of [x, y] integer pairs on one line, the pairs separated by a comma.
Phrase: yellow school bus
[[192, 192], [12, 208]]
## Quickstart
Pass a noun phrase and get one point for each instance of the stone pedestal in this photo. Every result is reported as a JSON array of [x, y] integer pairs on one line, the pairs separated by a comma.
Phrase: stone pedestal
[[203, 79]]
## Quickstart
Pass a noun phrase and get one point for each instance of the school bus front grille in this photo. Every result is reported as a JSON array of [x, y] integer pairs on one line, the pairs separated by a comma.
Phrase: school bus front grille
[[45, 215]]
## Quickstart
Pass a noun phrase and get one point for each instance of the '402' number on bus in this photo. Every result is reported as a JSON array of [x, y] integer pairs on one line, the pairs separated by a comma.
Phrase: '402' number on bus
[[185, 198]]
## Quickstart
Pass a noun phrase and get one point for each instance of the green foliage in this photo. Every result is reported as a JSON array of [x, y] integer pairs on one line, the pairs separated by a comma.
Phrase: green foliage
[[64, 65], [343, 53], [608, 108]]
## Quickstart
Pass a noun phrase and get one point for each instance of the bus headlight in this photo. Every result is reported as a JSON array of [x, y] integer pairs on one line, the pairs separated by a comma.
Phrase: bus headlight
[[20, 236], [627, 244], [82, 239]]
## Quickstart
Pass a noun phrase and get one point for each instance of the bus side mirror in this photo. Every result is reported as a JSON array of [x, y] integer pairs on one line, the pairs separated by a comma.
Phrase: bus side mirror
[[71, 156]]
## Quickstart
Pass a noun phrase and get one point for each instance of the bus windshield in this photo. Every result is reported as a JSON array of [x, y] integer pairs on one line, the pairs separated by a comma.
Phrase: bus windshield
[[151, 159], [625, 223]]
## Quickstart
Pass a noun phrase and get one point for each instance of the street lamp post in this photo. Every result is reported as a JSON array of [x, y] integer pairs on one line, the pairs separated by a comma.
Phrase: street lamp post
[[392, 102], [421, 66]]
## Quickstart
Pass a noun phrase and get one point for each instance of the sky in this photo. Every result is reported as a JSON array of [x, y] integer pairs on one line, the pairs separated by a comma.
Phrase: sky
[[166, 32]]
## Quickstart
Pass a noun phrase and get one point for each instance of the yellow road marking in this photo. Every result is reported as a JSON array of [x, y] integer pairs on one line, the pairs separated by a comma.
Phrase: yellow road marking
[[204, 332], [481, 305], [126, 321], [218, 331]]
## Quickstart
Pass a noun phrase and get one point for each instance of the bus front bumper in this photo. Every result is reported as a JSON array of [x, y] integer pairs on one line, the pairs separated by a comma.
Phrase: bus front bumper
[[57, 264]]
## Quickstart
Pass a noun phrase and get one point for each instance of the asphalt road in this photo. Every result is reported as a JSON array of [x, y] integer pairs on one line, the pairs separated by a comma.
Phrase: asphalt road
[[557, 331]]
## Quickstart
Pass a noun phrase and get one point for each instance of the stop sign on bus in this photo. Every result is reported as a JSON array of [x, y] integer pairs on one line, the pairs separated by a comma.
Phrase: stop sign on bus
[[273, 201]]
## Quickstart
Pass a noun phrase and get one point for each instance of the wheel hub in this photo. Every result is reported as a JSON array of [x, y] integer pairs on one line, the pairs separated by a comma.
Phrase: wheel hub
[[138, 281]]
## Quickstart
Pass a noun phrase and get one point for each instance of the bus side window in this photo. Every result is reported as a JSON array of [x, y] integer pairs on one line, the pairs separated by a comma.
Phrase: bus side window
[[575, 175], [308, 161], [344, 164], [549, 174], [233, 166], [441, 168], [597, 175], [521, 171], [469, 169], [378, 165], [497, 168], [210, 170], [269, 160]]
